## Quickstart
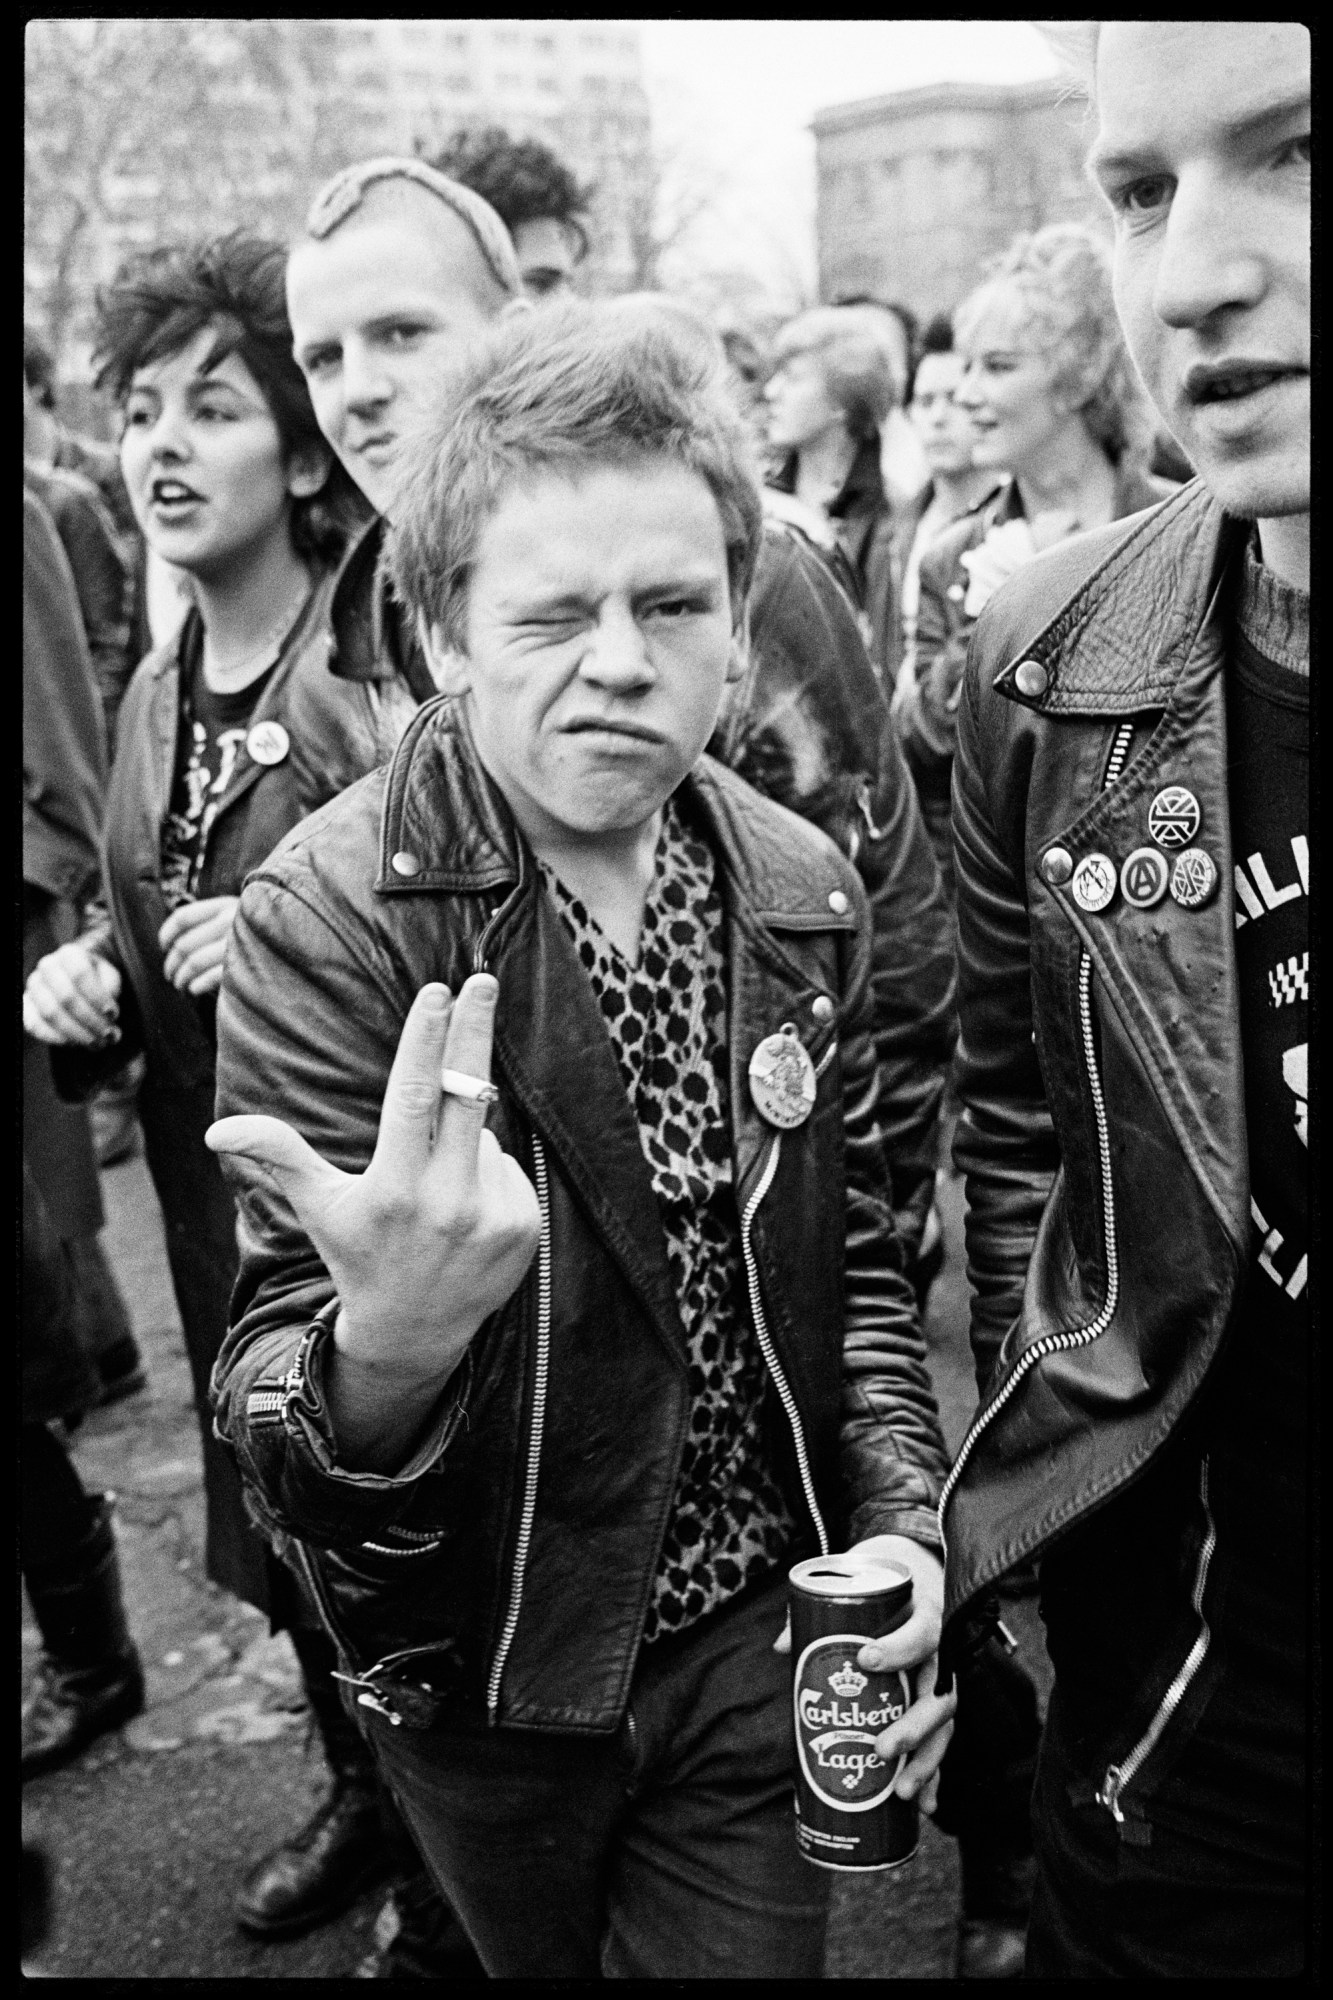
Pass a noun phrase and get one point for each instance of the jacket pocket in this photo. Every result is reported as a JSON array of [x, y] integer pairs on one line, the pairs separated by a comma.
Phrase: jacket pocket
[[1131, 1768]]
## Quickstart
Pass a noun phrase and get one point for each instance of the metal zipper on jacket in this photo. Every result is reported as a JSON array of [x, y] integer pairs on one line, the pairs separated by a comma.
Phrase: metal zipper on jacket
[[534, 1432], [771, 1361], [1119, 1775], [1081, 1336]]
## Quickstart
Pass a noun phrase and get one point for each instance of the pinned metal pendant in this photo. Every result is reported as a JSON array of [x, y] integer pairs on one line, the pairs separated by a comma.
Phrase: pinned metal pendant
[[268, 743], [1174, 816], [1193, 878], [1094, 884], [782, 1079], [1143, 877]]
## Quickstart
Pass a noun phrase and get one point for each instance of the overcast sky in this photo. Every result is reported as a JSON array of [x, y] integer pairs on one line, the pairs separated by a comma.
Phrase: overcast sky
[[736, 99]]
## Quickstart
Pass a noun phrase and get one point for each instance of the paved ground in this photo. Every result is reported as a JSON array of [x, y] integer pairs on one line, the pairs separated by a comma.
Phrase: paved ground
[[149, 1832]]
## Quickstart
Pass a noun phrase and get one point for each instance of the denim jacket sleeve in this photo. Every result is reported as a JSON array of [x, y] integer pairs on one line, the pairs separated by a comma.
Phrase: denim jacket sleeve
[[268, 1381]]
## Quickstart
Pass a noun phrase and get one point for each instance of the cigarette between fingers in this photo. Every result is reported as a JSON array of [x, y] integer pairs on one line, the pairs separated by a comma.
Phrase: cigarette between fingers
[[472, 1089]]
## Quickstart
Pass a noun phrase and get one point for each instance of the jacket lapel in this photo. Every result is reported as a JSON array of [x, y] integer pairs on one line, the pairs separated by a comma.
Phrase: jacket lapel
[[310, 631], [1171, 972], [1119, 645], [555, 1055]]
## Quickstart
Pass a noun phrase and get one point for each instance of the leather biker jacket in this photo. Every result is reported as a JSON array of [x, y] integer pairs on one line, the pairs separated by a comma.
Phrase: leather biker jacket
[[506, 1570], [331, 741], [807, 726], [1103, 1133]]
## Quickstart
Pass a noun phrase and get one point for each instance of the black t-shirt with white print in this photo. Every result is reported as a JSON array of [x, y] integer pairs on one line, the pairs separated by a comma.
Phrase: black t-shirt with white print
[[209, 738], [1243, 1774], [1264, 1380]]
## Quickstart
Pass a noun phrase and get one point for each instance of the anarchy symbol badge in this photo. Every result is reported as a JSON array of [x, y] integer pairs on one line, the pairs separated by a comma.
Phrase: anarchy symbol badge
[[782, 1079], [1143, 878], [1173, 816]]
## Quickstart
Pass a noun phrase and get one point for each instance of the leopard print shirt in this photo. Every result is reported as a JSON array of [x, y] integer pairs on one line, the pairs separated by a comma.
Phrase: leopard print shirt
[[667, 1018]]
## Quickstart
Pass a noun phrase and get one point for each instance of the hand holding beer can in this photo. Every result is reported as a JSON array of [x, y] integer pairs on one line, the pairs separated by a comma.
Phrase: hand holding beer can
[[847, 1814]]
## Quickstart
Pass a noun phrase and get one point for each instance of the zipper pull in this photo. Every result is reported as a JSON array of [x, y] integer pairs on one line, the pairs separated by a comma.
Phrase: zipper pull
[[1109, 1795]]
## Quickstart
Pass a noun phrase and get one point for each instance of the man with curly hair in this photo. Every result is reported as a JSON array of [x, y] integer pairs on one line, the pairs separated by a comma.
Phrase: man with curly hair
[[536, 197]]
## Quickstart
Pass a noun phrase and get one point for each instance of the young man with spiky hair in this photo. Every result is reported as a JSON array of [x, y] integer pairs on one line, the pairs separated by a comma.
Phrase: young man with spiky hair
[[1130, 826], [545, 1380], [398, 268]]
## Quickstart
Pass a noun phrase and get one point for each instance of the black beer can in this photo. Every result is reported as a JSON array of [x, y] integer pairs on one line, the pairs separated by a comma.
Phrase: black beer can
[[846, 1813]]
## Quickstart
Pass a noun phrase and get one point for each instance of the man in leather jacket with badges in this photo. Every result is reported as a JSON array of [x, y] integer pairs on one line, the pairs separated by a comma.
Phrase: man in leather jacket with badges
[[545, 1384], [397, 266], [1130, 800]]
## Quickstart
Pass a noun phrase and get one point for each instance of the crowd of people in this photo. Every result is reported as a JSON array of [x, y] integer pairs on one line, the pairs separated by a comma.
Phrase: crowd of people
[[521, 794]]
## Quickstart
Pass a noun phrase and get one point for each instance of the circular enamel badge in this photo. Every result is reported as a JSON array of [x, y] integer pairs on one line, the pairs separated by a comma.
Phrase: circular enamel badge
[[1094, 882], [782, 1079], [1173, 817], [1193, 878], [1143, 877], [268, 743]]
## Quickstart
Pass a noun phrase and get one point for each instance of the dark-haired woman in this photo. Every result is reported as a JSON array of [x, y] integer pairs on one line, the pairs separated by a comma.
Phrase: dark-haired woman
[[230, 734]]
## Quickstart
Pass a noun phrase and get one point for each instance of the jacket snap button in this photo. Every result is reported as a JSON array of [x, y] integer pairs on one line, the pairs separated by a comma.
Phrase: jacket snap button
[[405, 864], [1031, 679], [838, 903], [1057, 865], [822, 1008]]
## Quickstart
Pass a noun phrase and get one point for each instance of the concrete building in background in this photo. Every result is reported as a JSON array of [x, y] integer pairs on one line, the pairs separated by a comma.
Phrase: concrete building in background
[[137, 130], [915, 190], [576, 84]]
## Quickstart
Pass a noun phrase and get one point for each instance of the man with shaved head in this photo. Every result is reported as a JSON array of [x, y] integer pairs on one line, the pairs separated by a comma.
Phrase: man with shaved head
[[397, 269], [1130, 819]]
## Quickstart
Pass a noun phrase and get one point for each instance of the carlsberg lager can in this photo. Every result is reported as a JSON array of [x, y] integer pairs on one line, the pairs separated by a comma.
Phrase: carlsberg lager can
[[846, 1813]]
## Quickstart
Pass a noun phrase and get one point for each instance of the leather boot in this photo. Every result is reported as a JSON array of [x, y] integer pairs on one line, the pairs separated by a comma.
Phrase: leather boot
[[321, 1868], [89, 1678]]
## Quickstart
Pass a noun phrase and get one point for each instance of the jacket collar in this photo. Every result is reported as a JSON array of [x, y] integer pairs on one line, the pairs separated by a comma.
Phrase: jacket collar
[[446, 826], [371, 639], [862, 491], [170, 663], [1119, 643], [449, 829]]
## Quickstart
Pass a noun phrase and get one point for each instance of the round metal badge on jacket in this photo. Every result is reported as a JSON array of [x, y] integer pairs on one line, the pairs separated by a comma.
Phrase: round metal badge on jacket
[[268, 743], [782, 1079]]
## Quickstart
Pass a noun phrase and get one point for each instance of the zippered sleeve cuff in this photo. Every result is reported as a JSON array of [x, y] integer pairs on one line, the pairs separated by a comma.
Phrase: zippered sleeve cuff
[[292, 1451]]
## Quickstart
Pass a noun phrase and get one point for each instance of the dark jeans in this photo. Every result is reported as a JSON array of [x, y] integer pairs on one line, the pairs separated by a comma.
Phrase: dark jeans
[[55, 1512], [664, 1851], [1151, 1901]]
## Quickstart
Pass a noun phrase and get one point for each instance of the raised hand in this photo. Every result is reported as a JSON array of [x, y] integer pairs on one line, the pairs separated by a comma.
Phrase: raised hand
[[424, 1245], [73, 998], [194, 943]]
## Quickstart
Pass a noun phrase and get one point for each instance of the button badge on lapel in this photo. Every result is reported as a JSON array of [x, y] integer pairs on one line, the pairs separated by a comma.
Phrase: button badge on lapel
[[1193, 878], [1094, 884], [1173, 816], [1143, 878], [268, 743], [782, 1079]]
